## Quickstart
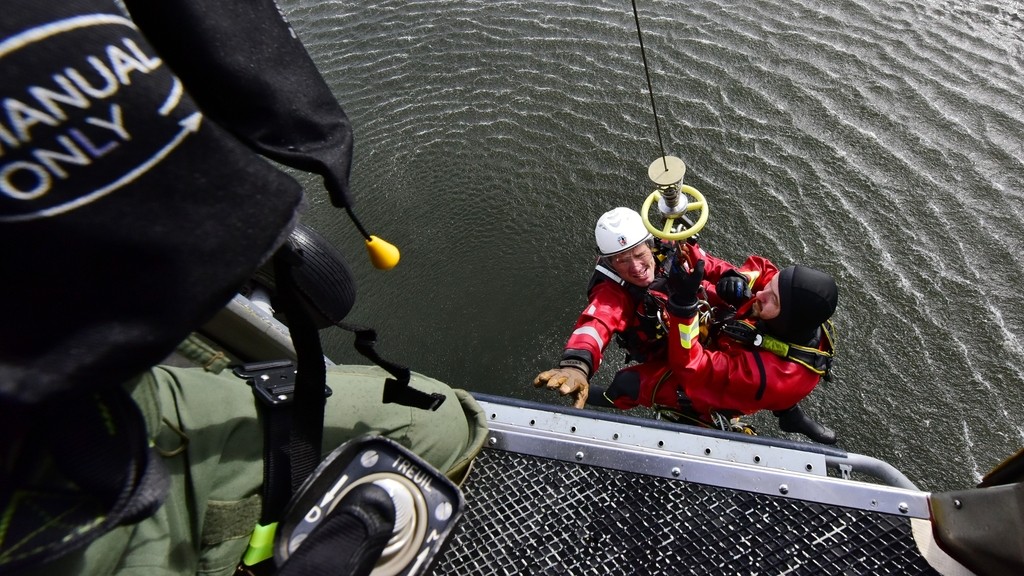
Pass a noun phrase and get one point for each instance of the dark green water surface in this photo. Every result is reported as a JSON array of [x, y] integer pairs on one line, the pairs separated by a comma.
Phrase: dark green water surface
[[882, 141]]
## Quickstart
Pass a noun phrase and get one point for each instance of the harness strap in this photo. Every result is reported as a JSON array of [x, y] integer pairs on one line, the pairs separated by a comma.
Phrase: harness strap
[[293, 409], [273, 385], [310, 375], [649, 308], [815, 359]]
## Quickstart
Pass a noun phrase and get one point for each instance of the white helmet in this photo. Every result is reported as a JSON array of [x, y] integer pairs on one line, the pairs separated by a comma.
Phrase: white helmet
[[618, 230]]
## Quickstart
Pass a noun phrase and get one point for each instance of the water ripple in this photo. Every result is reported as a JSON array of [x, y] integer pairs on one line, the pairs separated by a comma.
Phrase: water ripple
[[880, 141]]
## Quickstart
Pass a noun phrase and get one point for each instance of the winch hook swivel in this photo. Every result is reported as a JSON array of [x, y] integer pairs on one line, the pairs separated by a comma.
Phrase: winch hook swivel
[[667, 174]]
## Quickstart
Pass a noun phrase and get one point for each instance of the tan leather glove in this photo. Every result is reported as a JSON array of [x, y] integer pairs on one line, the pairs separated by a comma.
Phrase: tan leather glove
[[567, 381]]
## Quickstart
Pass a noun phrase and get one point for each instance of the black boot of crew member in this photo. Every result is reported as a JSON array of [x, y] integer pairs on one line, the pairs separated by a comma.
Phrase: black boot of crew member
[[795, 420]]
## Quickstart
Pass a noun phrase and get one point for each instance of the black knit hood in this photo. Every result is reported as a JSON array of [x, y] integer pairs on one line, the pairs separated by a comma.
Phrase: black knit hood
[[807, 298]]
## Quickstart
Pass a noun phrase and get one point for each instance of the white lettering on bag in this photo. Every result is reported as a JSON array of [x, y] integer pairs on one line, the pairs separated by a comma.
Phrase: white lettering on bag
[[61, 123]]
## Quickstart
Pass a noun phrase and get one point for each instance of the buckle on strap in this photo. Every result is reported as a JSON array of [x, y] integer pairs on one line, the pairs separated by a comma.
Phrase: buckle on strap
[[273, 382], [273, 385]]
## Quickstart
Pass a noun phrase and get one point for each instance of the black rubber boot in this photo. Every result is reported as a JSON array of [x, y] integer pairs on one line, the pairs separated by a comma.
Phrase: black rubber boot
[[794, 420]]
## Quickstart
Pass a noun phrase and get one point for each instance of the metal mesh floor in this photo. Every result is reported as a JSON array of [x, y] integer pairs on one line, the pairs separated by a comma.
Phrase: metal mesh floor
[[530, 515]]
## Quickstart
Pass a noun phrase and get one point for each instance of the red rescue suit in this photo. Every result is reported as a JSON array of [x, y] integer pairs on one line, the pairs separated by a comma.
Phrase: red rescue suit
[[615, 309], [618, 308], [724, 374]]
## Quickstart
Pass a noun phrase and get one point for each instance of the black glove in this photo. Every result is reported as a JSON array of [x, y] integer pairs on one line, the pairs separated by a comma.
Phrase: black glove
[[732, 288], [741, 332], [683, 285]]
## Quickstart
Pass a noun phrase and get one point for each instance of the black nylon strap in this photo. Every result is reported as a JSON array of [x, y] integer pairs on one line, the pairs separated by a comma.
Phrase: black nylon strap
[[396, 390], [273, 385], [277, 487], [310, 399], [292, 431]]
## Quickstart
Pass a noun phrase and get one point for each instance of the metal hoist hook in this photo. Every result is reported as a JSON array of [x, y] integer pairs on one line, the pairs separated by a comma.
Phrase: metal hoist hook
[[667, 174]]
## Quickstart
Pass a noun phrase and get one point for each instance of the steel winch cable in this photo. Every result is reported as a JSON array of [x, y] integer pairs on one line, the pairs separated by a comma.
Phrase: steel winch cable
[[650, 88]]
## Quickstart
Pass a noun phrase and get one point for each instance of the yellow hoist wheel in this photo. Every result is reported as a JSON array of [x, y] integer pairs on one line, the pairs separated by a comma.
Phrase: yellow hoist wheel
[[667, 173]]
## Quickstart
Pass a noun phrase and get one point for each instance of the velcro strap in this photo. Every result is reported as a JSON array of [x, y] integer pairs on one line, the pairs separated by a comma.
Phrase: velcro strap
[[575, 363]]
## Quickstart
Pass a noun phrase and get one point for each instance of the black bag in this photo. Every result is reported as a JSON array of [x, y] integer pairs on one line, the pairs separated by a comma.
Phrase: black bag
[[128, 214], [134, 202]]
